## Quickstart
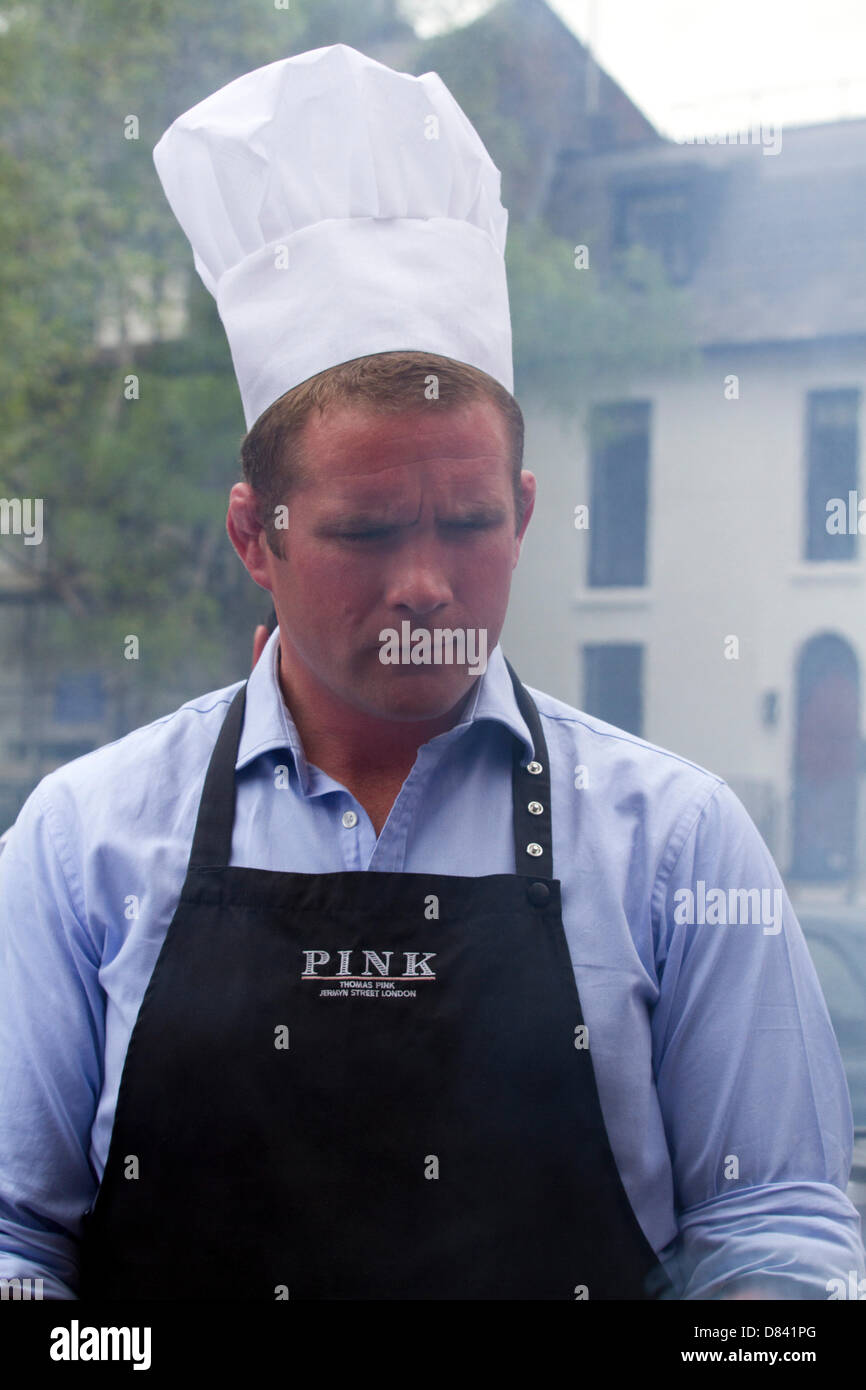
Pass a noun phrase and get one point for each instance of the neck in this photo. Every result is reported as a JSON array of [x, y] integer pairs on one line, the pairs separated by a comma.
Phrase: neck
[[344, 741]]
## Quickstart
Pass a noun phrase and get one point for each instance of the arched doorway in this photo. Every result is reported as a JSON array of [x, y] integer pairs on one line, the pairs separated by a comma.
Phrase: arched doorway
[[826, 759]]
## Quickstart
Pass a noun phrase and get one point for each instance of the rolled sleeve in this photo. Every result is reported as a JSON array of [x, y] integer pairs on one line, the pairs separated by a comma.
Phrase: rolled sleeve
[[749, 1076]]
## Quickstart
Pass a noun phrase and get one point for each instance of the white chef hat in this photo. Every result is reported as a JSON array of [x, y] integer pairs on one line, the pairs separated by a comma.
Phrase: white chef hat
[[337, 208]]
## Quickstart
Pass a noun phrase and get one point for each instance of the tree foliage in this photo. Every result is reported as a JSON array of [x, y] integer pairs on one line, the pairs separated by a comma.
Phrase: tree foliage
[[135, 490]]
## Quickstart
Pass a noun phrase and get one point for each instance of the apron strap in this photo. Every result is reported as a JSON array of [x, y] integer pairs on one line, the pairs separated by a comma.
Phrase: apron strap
[[530, 784], [533, 838], [212, 842]]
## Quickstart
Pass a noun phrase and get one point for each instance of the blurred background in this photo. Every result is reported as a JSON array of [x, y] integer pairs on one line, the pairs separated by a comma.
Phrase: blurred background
[[686, 186]]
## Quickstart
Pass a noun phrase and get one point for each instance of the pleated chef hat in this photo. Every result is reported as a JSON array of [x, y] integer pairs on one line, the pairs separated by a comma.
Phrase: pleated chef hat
[[337, 208]]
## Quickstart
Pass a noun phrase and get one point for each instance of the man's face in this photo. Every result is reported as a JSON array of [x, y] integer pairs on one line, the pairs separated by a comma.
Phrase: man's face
[[403, 518]]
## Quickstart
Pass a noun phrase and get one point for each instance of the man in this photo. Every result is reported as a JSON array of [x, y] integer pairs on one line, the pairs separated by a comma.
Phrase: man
[[368, 979]]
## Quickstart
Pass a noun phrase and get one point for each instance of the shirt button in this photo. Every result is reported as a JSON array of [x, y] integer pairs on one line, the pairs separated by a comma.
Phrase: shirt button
[[349, 819]]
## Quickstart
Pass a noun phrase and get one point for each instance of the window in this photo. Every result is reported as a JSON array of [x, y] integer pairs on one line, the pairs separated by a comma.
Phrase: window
[[658, 218], [613, 684], [826, 759], [832, 448], [619, 485]]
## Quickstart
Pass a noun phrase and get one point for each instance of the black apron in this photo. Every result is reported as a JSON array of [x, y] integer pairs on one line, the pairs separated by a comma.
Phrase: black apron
[[363, 1085]]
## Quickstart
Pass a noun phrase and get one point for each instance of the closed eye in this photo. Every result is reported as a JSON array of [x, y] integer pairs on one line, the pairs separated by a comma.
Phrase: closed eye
[[363, 535], [382, 533]]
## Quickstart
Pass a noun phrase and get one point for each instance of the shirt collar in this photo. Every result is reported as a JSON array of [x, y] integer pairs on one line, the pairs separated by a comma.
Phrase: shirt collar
[[269, 725]]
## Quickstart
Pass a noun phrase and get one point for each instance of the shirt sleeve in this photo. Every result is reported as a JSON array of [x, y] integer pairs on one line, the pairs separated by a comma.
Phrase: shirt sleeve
[[749, 1076], [51, 1042]]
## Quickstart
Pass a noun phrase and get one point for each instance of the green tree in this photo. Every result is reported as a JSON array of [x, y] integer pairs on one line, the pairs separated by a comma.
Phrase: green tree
[[135, 489]]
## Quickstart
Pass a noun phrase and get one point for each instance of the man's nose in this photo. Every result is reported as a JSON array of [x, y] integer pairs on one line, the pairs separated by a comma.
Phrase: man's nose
[[418, 579]]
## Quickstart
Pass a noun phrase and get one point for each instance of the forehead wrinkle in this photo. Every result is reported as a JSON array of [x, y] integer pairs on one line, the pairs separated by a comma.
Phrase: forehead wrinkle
[[385, 466], [367, 489], [394, 505], [378, 445]]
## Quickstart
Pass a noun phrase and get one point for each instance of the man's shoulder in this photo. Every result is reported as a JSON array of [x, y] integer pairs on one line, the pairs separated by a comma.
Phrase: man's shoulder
[[607, 755], [150, 759]]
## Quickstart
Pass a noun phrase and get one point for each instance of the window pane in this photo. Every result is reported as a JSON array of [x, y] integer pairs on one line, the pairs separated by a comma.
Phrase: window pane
[[619, 484], [613, 684], [831, 461]]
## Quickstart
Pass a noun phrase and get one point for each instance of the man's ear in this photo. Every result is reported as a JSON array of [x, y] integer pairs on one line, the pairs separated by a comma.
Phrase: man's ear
[[247, 534], [527, 494], [260, 641]]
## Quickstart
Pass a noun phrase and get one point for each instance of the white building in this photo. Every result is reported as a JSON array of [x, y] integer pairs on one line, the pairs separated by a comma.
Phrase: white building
[[709, 606]]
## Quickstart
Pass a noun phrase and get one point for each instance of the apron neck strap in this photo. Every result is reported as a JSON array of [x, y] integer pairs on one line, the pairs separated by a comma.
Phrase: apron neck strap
[[212, 842], [533, 840], [530, 782]]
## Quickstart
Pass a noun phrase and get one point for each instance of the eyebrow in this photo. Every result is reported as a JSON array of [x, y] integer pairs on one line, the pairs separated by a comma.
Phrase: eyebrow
[[367, 516]]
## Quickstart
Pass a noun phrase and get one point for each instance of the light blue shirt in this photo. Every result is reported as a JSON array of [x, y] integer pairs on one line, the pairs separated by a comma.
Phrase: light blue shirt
[[719, 1075]]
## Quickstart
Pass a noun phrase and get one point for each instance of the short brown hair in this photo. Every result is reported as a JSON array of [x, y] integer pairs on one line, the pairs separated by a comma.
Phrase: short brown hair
[[387, 383]]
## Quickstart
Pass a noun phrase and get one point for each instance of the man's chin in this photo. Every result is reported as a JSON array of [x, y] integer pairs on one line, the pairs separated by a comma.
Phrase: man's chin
[[418, 692]]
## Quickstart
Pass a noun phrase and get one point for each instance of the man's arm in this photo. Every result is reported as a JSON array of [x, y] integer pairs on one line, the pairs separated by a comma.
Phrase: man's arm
[[51, 1051], [749, 1075]]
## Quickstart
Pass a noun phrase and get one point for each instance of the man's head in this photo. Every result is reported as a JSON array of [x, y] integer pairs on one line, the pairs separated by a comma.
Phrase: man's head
[[388, 383], [401, 475]]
